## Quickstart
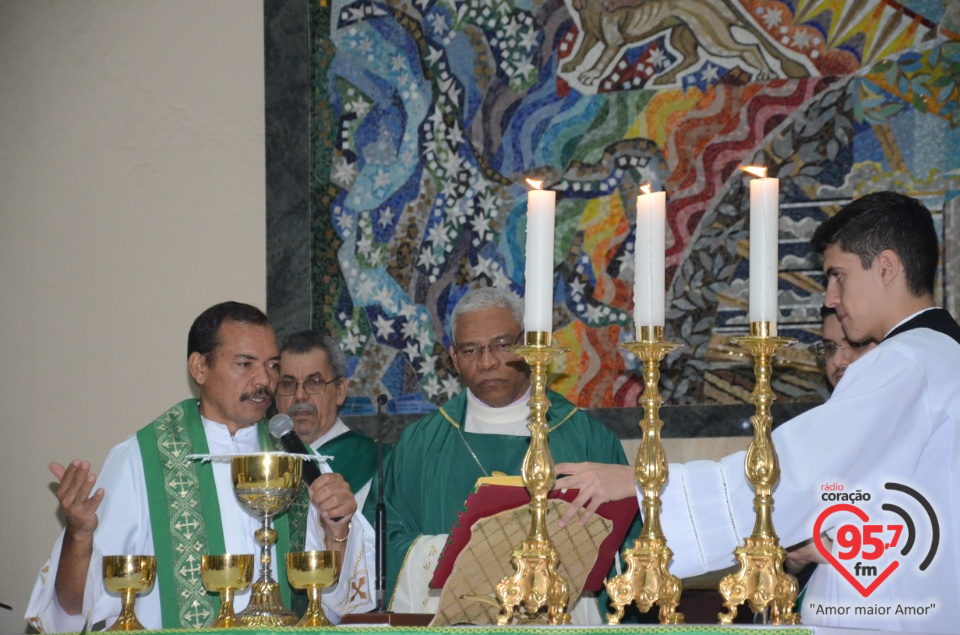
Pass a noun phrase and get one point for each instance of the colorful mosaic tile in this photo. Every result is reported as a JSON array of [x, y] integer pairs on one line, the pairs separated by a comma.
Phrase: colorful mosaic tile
[[428, 115]]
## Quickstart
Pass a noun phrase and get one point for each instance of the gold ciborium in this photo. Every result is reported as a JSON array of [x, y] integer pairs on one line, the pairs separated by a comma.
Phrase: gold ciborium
[[265, 486], [127, 576], [313, 571], [226, 575]]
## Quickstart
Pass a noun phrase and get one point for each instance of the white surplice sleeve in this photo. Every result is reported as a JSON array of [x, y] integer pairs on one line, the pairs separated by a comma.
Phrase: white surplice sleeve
[[354, 592], [123, 528], [856, 437]]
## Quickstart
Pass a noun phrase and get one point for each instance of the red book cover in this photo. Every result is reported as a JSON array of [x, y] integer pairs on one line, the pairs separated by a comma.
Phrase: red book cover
[[493, 495]]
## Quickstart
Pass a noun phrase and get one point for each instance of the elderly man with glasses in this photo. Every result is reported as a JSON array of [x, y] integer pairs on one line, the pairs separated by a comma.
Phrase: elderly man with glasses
[[480, 432], [311, 389]]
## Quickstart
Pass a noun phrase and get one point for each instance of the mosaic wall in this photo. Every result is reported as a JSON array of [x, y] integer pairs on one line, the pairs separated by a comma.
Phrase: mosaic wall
[[428, 115]]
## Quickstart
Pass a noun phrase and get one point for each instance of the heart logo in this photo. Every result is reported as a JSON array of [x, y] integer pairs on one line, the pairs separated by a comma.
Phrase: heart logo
[[862, 515]]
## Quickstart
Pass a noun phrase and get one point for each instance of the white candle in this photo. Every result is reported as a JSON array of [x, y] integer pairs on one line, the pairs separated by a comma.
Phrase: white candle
[[649, 287], [541, 213], [764, 259]]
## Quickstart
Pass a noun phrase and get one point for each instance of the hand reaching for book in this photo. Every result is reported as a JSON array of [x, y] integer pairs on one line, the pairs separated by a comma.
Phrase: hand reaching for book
[[597, 482]]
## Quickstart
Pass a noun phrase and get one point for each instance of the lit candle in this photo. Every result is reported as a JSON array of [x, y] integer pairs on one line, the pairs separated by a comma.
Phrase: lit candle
[[764, 259], [541, 213], [649, 287]]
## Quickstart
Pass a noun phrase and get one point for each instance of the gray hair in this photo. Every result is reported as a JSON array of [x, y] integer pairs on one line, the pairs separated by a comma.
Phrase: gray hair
[[486, 298], [303, 342]]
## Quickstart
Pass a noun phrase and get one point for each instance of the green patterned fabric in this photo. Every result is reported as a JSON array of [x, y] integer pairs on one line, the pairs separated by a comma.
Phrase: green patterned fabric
[[354, 458], [185, 514]]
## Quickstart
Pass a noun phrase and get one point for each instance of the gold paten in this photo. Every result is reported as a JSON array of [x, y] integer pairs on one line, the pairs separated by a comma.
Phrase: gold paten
[[265, 486], [226, 574], [648, 580], [761, 580], [128, 576], [314, 571], [536, 583]]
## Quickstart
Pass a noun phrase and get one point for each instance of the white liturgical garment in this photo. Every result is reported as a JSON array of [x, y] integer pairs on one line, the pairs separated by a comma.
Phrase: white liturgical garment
[[892, 419], [124, 529]]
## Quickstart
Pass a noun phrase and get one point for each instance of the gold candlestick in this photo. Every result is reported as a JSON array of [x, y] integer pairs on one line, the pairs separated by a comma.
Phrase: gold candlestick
[[761, 580], [536, 582], [648, 580]]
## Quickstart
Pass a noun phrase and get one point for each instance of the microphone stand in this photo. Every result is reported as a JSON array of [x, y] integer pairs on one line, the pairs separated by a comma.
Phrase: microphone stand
[[380, 528]]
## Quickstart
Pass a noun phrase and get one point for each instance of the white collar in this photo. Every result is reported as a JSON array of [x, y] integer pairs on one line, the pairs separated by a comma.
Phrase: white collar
[[908, 318], [335, 431], [516, 412]]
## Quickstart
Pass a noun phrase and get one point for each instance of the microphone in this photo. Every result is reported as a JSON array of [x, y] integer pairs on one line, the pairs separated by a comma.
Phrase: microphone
[[380, 529], [281, 427]]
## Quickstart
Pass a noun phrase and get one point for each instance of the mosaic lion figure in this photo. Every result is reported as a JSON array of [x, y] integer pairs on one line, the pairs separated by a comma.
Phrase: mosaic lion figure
[[692, 24]]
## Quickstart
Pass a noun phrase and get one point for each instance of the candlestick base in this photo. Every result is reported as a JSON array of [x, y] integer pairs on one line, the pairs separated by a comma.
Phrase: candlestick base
[[761, 580]]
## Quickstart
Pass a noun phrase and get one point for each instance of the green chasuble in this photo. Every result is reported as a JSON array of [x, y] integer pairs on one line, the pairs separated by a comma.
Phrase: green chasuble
[[185, 514], [430, 472], [354, 458]]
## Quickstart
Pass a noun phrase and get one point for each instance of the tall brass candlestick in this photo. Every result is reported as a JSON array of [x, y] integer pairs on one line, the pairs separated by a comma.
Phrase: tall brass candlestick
[[761, 580], [536, 583], [648, 580]]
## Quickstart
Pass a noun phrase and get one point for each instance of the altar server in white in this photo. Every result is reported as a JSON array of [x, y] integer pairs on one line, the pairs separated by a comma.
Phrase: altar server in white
[[889, 433], [150, 499]]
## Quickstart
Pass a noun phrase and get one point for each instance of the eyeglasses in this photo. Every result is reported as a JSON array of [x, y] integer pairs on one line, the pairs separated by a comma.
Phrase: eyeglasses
[[497, 348], [826, 350], [312, 385]]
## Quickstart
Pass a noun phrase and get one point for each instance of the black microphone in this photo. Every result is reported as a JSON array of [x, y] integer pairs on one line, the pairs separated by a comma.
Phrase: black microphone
[[380, 525], [281, 427]]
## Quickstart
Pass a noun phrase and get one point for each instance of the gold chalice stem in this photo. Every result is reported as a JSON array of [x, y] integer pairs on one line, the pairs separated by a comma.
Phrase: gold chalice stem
[[536, 583], [127, 620], [314, 617], [226, 618], [648, 580], [265, 537], [761, 580]]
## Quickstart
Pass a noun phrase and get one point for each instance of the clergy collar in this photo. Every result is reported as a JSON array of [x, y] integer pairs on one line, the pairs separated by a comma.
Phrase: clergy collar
[[220, 430], [517, 411], [338, 428], [907, 319]]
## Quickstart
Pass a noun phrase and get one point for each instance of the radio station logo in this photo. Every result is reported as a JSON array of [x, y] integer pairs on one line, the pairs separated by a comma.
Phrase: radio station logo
[[862, 543]]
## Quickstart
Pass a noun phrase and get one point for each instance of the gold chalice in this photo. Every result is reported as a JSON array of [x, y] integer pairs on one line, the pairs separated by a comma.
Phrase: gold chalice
[[226, 575], [313, 571], [127, 576], [266, 485]]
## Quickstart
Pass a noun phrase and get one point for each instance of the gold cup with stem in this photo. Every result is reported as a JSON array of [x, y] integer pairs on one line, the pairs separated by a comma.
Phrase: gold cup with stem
[[226, 574], [313, 571], [128, 576], [265, 485]]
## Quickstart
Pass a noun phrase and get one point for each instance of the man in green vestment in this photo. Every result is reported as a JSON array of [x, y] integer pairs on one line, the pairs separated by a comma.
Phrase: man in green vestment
[[152, 498], [312, 387], [480, 432]]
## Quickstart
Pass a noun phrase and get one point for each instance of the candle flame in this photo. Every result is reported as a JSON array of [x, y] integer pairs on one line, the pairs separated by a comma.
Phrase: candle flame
[[645, 188], [755, 170], [534, 183]]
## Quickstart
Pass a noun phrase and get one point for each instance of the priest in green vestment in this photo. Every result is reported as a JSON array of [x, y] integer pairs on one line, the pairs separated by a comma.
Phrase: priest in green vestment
[[480, 432], [311, 389], [153, 498]]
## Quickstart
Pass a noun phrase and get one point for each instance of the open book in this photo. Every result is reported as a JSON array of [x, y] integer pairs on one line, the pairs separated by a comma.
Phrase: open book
[[495, 521]]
